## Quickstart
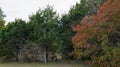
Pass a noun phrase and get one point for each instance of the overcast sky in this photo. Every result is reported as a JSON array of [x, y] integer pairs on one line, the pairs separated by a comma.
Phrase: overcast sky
[[23, 8]]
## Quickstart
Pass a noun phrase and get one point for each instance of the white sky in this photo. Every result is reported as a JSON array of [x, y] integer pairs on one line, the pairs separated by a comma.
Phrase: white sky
[[23, 8]]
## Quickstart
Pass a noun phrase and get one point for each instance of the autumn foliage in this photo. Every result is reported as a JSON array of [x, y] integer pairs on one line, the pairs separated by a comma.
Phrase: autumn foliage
[[93, 32]]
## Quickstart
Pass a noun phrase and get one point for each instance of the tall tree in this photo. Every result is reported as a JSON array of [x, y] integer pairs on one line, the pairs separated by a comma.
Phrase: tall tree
[[1, 14], [16, 36], [3, 51], [1, 18], [43, 27], [75, 14]]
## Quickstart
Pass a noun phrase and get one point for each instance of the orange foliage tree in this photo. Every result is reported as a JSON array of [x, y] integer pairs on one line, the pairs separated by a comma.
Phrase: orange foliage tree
[[93, 31]]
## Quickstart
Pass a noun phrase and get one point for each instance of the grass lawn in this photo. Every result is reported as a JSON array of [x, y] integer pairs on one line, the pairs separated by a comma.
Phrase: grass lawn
[[41, 65]]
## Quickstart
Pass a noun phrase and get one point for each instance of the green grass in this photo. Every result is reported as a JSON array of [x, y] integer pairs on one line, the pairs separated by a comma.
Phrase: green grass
[[41, 65]]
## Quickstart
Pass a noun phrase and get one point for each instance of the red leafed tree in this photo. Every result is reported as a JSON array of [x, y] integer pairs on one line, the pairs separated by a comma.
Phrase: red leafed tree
[[93, 30]]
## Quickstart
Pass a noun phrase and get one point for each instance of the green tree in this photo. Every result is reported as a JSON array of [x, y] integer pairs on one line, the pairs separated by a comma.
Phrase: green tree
[[43, 27], [16, 36], [1, 18], [74, 16], [3, 51], [77, 12], [1, 14]]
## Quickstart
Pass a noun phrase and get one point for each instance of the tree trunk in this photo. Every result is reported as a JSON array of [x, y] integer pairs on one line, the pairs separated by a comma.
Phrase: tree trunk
[[45, 57]]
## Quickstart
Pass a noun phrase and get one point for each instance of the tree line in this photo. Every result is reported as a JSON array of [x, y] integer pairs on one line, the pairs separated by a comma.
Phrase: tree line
[[89, 32]]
